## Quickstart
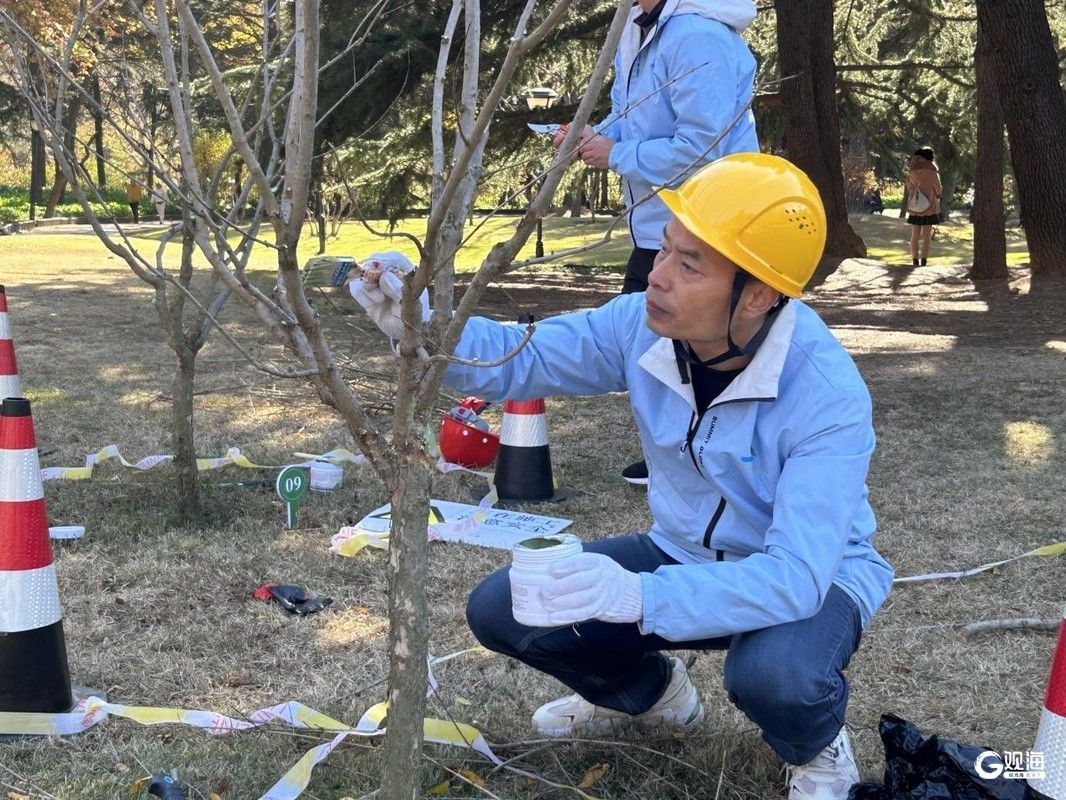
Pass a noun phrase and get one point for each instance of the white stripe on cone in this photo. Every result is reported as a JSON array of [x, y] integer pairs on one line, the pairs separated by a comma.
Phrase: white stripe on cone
[[20, 476], [29, 599], [524, 430], [10, 386], [1051, 741], [5, 329]]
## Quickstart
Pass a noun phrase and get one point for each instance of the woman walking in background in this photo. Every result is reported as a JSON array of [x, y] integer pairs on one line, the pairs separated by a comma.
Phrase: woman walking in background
[[921, 201]]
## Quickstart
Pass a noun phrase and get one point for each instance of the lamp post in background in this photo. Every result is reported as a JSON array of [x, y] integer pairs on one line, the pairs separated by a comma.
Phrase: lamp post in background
[[540, 98]]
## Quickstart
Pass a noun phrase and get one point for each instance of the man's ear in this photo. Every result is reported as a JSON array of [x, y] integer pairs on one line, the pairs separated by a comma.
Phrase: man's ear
[[758, 299]]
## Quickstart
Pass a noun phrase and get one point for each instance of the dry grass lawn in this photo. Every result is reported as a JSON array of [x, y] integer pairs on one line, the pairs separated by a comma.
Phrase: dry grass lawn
[[968, 388]]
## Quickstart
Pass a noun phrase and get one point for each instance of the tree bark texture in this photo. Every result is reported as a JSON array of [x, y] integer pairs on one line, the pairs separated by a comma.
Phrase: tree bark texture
[[182, 429], [59, 185], [408, 625], [1034, 109], [812, 120], [989, 239]]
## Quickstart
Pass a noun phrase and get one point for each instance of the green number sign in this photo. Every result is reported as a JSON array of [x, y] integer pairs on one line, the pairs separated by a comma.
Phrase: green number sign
[[291, 486]]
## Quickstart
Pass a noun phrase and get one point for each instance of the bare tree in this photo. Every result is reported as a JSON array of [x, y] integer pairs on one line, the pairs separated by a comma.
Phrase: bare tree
[[272, 124]]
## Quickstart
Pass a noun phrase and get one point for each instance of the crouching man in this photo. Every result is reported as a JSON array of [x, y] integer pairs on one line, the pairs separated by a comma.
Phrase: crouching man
[[757, 427]]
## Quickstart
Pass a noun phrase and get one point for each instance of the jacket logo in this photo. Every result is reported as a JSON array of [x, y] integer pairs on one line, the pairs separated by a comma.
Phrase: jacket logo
[[748, 458]]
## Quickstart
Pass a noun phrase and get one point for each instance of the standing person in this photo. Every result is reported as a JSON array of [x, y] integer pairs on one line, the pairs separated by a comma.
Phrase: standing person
[[921, 201], [134, 193], [758, 429], [682, 76], [159, 199]]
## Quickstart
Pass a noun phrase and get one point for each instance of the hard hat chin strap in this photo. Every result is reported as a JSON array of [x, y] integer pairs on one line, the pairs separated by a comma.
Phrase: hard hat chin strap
[[684, 354]]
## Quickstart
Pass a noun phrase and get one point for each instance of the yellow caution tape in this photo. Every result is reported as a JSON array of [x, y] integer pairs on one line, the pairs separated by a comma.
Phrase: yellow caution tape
[[232, 457], [94, 710], [1047, 550]]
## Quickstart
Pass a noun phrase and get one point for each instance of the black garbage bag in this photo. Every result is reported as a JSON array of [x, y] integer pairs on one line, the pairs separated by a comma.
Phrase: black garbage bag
[[931, 768], [292, 598]]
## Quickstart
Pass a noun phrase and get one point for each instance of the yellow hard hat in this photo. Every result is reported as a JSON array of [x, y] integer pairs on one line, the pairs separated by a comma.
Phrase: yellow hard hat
[[760, 211]]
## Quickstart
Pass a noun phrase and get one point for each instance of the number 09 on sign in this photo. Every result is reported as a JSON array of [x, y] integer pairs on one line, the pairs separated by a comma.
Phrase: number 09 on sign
[[291, 486]]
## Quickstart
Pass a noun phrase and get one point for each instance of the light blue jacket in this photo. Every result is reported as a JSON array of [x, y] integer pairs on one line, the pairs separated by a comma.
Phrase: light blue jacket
[[672, 96], [763, 500]]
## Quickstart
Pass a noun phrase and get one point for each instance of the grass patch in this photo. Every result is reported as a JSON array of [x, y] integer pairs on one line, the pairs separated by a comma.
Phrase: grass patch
[[969, 416]]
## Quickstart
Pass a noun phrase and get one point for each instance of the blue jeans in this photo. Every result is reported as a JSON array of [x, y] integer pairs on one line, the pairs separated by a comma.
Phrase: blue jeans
[[788, 679]]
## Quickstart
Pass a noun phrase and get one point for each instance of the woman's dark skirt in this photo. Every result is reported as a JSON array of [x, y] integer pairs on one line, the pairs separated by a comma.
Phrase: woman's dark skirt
[[929, 219]]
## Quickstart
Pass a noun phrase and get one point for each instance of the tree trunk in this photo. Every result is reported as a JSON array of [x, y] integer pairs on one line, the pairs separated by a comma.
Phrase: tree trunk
[[182, 433], [989, 239], [59, 185], [1034, 108], [408, 627], [812, 124], [183, 429], [37, 156], [98, 132]]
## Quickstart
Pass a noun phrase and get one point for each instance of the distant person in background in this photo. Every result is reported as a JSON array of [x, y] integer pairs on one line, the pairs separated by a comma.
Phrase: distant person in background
[[921, 201], [134, 193], [683, 74], [159, 199]]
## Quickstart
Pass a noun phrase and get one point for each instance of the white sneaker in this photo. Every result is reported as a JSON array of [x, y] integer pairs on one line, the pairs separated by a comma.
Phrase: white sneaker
[[573, 715], [828, 776]]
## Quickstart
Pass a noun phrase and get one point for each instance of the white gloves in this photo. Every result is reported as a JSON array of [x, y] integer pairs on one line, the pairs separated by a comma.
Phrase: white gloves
[[592, 586], [380, 290]]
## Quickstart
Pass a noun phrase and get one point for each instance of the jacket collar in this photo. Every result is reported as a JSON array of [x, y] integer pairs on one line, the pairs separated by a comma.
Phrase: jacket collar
[[758, 381]]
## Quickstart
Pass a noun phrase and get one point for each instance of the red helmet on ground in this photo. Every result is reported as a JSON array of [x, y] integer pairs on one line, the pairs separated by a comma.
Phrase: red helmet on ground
[[465, 438]]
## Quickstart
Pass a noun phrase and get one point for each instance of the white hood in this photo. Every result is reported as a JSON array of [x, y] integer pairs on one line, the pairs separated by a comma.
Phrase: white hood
[[737, 14]]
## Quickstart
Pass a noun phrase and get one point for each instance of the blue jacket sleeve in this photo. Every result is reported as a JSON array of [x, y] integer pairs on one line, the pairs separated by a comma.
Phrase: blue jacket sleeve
[[821, 485], [703, 92], [572, 354], [609, 127]]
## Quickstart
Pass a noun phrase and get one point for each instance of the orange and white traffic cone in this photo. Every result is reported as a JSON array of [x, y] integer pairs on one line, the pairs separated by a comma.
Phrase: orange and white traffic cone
[[524, 463], [33, 654], [1051, 735], [9, 371]]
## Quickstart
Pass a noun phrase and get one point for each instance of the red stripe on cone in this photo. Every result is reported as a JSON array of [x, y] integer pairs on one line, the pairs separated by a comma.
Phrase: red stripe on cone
[[8, 366], [24, 542], [16, 433], [1056, 687], [524, 406], [3, 299]]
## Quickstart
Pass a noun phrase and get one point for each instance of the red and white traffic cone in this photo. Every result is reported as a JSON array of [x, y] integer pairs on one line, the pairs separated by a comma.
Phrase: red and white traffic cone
[[524, 463], [33, 654], [1051, 735], [9, 371]]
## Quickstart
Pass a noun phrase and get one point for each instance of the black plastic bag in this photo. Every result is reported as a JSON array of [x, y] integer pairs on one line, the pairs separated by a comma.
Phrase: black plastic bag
[[920, 768], [165, 787]]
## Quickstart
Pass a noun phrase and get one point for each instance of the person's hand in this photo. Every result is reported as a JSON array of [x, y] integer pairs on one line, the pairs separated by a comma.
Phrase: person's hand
[[557, 138], [379, 291], [902, 213], [596, 151], [592, 586]]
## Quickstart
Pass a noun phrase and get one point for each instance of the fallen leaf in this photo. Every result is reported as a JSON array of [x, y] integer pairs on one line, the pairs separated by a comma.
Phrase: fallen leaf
[[473, 777], [138, 785], [594, 775], [18, 796], [122, 768], [214, 796], [439, 789]]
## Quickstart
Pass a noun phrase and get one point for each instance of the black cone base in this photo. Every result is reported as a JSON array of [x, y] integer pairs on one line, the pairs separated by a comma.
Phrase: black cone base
[[33, 671], [524, 473]]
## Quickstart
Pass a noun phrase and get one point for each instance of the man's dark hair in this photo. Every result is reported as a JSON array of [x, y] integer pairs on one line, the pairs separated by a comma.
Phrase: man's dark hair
[[926, 153]]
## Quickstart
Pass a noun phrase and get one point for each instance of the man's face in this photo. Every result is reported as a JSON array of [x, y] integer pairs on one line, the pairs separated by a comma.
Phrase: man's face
[[689, 290]]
